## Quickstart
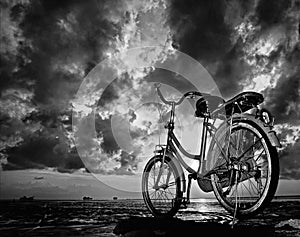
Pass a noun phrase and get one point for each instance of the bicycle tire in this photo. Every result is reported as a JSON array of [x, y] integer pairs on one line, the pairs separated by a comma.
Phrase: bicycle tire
[[241, 205], [157, 200]]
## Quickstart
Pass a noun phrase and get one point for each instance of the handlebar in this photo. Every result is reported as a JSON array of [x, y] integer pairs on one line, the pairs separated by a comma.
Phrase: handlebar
[[169, 102]]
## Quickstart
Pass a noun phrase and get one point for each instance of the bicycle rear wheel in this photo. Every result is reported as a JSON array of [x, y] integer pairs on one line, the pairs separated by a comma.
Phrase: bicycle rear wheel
[[161, 187], [247, 172]]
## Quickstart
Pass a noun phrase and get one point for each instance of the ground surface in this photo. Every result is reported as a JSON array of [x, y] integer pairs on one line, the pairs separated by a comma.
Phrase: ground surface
[[131, 218]]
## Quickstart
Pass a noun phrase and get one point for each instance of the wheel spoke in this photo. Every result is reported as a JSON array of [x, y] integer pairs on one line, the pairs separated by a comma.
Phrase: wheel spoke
[[162, 188], [244, 189], [245, 152]]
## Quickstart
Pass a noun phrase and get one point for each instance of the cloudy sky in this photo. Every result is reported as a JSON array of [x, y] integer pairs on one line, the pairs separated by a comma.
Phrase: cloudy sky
[[49, 47]]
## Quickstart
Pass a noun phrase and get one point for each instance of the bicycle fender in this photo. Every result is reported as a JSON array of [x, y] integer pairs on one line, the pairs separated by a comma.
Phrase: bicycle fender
[[271, 134]]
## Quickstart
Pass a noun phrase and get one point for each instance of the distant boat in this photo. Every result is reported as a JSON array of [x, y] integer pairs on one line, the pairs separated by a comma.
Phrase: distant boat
[[24, 198], [87, 198], [115, 198]]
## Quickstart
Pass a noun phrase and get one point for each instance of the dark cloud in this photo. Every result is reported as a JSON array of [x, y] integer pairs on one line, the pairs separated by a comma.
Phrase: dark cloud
[[10, 39], [284, 100], [206, 31], [199, 28], [231, 70], [49, 46], [43, 151], [63, 34], [271, 12], [202, 30], [290, 162], [289, 155], [128, 162], [109, 94], [103, 128]]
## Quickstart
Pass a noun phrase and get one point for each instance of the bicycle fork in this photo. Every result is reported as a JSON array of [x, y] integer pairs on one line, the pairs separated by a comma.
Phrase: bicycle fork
[[160, 171]]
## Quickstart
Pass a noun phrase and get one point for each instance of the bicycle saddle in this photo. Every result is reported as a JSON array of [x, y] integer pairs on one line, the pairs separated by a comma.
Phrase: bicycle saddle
[[243, 102]]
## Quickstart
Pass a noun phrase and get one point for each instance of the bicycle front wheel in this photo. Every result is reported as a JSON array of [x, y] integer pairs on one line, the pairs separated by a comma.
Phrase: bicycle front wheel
[[161, 187], [247, 170]]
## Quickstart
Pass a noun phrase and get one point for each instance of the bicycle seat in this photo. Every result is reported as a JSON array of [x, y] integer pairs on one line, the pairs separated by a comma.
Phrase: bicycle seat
[[208, 106], [243, 102]]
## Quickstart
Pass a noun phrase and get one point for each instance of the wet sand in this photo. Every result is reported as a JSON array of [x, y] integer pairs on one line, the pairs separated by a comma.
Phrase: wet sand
[[280, 219], [131, 218]]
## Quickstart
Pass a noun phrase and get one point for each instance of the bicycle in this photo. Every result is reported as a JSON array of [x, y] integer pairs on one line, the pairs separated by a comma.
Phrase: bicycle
[[241, 166]]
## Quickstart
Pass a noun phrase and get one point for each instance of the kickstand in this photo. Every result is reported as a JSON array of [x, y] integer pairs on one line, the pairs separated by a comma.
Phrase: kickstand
[[187, 200], [236, 206], [233, 222]]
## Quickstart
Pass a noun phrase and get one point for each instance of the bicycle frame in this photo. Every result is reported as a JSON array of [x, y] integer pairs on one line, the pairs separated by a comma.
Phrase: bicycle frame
[[173, 145]]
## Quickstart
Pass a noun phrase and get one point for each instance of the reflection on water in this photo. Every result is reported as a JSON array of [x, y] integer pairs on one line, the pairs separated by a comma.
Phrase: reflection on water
[[92, 218], [207, 210], [28, 217]]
